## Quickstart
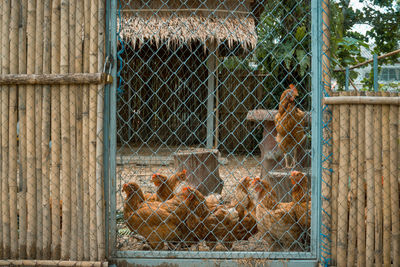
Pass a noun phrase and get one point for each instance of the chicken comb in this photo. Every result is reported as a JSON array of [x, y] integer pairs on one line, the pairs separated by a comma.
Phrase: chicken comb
[[291, 86], [155, 175], [294, 173], [255, 180], [184, 171], [125, 187]]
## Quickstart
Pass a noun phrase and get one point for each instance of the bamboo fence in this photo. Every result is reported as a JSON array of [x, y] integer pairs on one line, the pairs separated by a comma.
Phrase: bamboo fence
[[50, 51], [5, 131], [365, 205]]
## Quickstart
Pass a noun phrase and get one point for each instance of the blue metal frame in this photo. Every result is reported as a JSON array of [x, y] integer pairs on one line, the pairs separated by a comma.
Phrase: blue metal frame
[[198, 258]]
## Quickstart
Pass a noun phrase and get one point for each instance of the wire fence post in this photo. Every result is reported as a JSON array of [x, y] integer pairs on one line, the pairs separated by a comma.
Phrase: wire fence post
[[376, 74]]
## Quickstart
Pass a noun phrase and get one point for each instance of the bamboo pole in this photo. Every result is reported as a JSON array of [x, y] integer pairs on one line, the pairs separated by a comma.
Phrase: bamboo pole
[[79, 95], [99, 133], [360, 186], [22, 133], [378, 183], [85, 133], [93, 61], [327, 185], [46, 133], [344, 158], [52, 263], [1, 152], [30, 141], [13, 113], [5, 52], [394, 126], [72, 121], [38, 128], [352, 234], [335, 177], [386, 185], [65, 138], [369, 170], [55, 79], [55, 135], [374, 100]]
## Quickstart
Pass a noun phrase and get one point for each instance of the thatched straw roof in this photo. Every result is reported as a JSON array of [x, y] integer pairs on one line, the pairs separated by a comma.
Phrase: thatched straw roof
[[176, 24]]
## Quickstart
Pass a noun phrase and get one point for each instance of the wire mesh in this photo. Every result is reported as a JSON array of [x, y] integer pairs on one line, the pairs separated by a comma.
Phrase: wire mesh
[[213, 126]]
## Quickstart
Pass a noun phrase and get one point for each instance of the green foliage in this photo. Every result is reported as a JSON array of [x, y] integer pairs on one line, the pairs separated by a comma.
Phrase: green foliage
[[382, 16]]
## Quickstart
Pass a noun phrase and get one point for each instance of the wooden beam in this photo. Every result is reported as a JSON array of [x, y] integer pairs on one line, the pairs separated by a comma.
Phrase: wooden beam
[[55, 79], [376, 100]]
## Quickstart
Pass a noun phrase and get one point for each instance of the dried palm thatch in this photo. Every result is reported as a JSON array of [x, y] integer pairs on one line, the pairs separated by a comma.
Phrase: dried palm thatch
[[175, 24]]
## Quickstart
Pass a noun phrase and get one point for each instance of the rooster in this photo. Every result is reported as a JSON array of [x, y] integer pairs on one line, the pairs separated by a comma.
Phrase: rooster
[[276, 221], [290, 125]]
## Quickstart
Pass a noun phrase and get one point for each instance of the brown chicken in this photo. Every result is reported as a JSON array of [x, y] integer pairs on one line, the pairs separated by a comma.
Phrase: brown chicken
[[157, 222], [165, 186], [213, 227], [244, 205], [276, 222], [301, 198], [290, 124]]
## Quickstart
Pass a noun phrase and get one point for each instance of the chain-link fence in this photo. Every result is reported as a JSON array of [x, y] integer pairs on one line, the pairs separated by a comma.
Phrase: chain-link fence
[[214, 128], [52, 203]]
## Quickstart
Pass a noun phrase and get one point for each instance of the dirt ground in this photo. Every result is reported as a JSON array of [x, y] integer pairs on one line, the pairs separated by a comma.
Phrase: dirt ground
[[140, 166]]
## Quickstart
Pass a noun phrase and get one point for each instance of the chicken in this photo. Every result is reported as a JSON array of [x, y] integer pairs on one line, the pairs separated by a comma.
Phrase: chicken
[[275, 221], [244, 205], [213, 227], [290, 124], [157, 222], [165, 186], [301, 198]]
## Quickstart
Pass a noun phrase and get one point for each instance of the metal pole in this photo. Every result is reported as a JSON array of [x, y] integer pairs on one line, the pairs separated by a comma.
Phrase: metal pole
[[112, 128], [316, 125], [347, 79], [376, 73]]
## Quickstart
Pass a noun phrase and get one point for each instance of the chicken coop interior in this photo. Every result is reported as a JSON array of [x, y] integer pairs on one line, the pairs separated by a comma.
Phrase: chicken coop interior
[[213, 140]]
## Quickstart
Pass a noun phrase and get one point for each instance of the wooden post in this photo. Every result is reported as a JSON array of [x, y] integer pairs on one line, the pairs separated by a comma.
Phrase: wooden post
[[46, 133], [30, 134], [377, 122], [387, 222], [361, 186], [93, 61], [65, 138], [352, 234], [79, 94], [38, 127], [343, 184], [99, 133], [55, 134], [335, 177], [369, 170], [5, 52], [72, 121], [85, 134], [394, 113], [211, 65], [22, 133]]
